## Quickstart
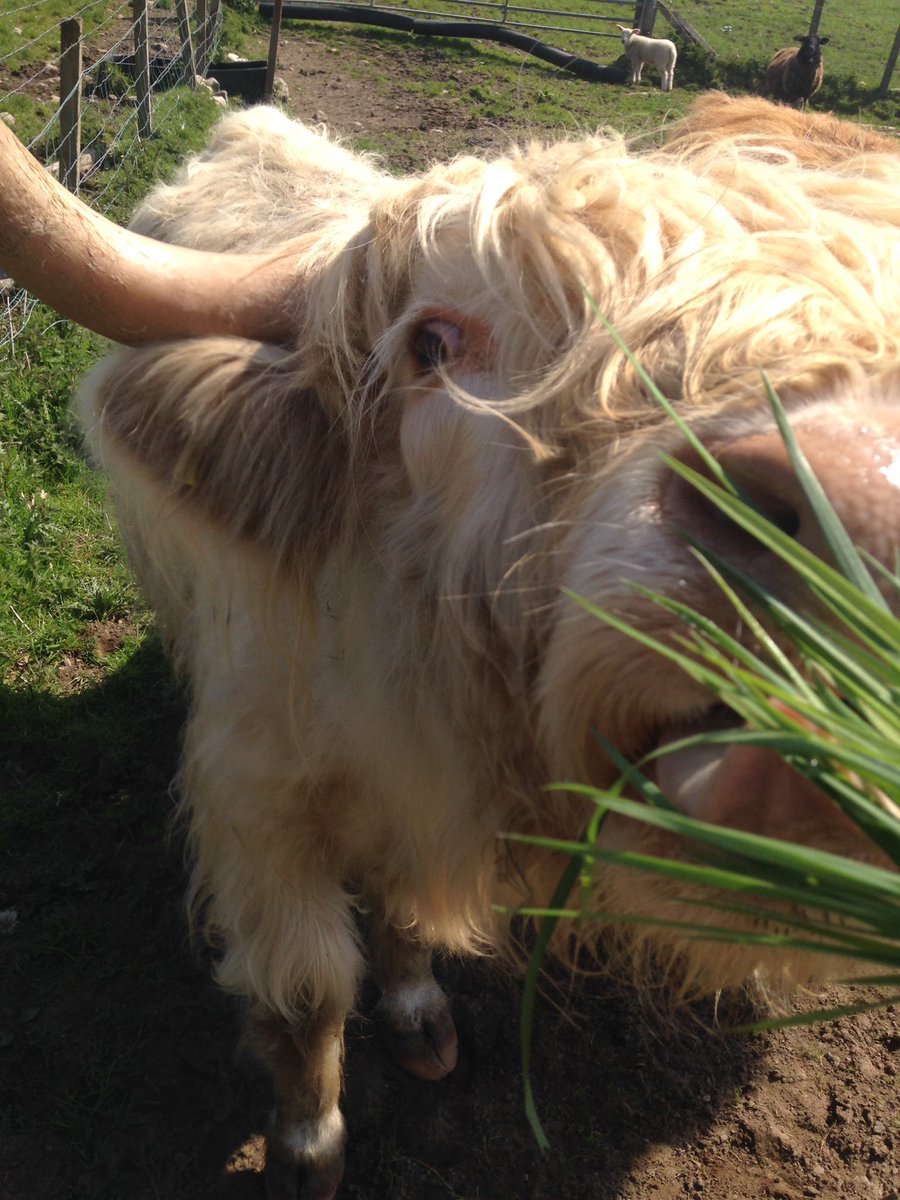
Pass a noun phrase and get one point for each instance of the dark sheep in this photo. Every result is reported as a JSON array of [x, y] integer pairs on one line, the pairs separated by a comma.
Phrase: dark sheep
[[794, 75]]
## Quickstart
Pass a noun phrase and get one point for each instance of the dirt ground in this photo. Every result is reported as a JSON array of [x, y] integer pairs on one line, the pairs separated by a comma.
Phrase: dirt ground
[[119, 1075], [348, 87]]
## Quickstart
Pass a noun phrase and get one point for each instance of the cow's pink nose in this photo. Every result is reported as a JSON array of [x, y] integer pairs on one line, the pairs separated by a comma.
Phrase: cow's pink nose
[[857, 463]]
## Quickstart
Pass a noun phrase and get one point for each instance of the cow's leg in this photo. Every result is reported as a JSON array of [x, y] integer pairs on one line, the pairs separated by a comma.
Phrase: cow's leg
[[305, 1141], [287, 932], [414, 1012]]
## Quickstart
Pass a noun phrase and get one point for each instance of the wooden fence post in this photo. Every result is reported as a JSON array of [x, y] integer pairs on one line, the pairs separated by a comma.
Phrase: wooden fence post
[[70, 102], [645, 17], [816, 18], [891, 63], [142, 66], [202, 57], [214, 28], [684, 27], [188, 66], [269, 89]]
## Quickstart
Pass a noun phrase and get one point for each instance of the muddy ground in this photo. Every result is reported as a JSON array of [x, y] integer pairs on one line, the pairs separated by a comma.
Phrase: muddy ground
[[119, 1076]]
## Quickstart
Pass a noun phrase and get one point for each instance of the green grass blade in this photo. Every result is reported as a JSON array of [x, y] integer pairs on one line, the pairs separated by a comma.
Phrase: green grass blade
[[529, 995], [848, 560]]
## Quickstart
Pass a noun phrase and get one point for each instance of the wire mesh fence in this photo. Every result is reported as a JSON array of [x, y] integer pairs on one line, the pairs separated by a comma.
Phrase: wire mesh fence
[[38, 98]]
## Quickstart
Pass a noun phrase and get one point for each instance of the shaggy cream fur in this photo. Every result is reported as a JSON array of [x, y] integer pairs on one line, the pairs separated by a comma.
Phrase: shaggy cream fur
[[357, 542]]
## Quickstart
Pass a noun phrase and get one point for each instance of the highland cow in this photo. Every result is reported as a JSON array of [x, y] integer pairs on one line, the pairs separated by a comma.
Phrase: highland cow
[[361, 462]]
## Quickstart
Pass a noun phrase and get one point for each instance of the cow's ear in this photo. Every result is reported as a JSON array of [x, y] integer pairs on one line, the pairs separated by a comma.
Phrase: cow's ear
[[224, 427], [799, 37], [823, 40]]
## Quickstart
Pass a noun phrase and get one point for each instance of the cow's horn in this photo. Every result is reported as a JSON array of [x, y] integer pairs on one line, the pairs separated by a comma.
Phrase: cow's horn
[[128, 287]]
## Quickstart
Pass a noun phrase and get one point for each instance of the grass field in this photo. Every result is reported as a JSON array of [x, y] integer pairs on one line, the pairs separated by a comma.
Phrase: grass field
[[860, 35]]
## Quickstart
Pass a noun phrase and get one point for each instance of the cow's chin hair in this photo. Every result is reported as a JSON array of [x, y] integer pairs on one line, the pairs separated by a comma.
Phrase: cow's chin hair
[[734, 786], [670, 970], [627, 939]]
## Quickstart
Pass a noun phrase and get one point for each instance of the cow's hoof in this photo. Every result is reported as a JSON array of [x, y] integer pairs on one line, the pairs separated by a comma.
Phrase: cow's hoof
[[305, 1159], [287, 1181], [419, 1036]]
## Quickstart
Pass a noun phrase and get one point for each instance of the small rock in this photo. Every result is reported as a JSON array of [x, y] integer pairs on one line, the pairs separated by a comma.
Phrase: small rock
[[8, 119]]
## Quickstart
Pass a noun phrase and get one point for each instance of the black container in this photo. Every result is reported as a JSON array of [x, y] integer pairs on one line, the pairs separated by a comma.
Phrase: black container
[[247, 79]]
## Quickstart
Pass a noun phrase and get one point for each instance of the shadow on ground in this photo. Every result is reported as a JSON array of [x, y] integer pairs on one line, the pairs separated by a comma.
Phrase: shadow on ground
[[119, 1074]]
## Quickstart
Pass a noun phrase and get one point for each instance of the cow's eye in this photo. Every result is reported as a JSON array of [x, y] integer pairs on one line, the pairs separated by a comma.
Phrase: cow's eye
[[434, 343]]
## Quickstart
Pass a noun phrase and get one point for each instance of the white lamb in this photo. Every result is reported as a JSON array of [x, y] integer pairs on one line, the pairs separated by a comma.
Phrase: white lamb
[[657, 52]]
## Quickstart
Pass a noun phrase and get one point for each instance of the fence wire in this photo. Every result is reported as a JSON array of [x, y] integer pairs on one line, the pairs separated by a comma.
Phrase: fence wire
[[30, 84]]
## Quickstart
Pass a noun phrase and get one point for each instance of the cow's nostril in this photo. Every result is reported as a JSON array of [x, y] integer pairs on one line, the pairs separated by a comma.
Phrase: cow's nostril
[[788, 522], [764, 480], [781, 513], [699, 519]]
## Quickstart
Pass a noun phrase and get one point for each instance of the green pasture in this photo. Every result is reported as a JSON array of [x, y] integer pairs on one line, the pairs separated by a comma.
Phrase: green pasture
[[860, 35], [30, 33]]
